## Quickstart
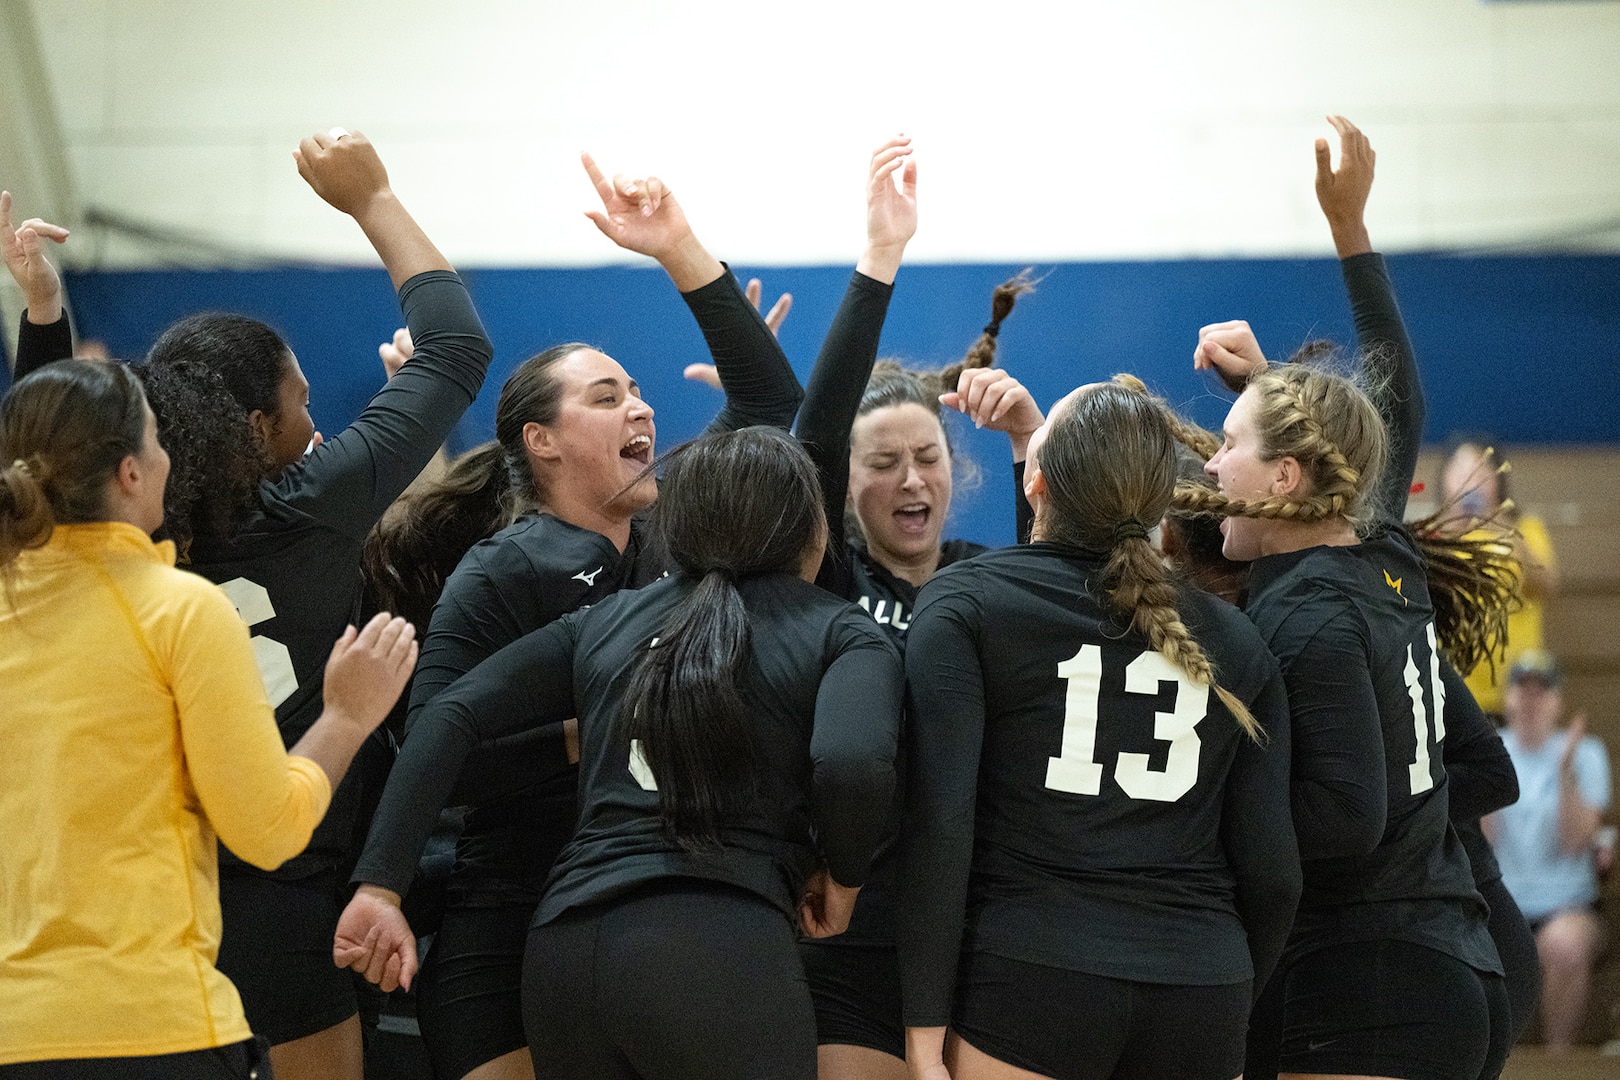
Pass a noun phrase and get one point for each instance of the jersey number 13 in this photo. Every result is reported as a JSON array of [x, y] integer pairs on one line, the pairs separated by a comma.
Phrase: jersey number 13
[[1076, 770]]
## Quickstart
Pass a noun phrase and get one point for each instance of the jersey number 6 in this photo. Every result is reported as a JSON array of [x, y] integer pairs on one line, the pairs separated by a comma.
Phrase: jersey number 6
[[1076, 770]]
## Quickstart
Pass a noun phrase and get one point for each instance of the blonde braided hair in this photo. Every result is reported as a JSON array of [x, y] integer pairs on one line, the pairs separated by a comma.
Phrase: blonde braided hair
[[1326, 423], [1110, 466]]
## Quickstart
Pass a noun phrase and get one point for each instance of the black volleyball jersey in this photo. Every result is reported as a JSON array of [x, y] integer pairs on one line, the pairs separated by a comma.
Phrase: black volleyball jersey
[[1073, 799], [293, 568], [1353, 628], [1480, 778], [823, 688], [521, 788]]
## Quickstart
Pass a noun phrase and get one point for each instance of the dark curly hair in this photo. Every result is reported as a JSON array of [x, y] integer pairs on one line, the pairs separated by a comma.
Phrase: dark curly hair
[[248, 356], [203, 377], [215, 463]]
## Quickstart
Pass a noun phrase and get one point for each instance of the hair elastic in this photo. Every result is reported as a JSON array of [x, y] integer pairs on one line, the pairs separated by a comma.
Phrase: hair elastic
[[1130, 529]]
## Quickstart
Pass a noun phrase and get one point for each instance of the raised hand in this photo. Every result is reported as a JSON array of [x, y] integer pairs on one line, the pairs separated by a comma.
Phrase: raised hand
[[778, 314], [396, 353], [639, 215], [643, 216], [891, 209], [993, 399], [1343, 193], [374, 939], [1231, 350], [25, 258], [343, 168], [368, 668]]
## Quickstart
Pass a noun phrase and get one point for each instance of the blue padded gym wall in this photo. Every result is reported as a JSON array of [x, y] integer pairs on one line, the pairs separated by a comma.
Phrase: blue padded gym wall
[[1523, 347]]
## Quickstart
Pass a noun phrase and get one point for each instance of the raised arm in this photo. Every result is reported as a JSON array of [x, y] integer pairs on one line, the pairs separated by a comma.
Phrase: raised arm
[[1380, 331], [850, 349], [353, 477], [643, 215], [344, 169], [45, 335]]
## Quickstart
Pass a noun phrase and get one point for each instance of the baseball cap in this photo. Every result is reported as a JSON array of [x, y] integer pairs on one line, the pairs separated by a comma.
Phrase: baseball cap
[[1536, 664]]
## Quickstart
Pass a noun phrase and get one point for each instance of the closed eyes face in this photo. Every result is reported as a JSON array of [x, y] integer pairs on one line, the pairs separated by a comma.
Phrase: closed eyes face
[[900, 481]]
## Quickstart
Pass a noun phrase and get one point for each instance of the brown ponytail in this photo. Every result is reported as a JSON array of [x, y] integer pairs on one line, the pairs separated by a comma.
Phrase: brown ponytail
[[26, 520], [982, 353], [1110, 467]]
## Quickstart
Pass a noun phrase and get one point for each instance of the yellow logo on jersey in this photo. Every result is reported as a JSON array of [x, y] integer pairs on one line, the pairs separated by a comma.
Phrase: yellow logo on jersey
[[1395, 583]]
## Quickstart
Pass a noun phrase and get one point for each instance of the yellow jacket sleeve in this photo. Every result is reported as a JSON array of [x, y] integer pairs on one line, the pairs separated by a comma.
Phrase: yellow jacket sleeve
[[263, 803]]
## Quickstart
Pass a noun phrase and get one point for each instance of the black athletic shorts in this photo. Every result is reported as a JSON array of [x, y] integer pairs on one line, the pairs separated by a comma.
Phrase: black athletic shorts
[[239, 1061], [1392, 1008], [469, 993], [681, 979], [277, 949], [1074, 1026], [856, 992]]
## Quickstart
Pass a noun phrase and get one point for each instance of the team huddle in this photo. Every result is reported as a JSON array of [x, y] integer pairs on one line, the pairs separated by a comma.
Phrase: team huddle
[[749, 772]]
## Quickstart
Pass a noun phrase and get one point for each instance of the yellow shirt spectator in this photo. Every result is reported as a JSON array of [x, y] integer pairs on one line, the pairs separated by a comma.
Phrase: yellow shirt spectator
[[137, 734]]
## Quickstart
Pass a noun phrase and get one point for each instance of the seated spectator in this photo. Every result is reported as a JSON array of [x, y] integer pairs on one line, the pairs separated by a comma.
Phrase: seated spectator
[[1545, 840]]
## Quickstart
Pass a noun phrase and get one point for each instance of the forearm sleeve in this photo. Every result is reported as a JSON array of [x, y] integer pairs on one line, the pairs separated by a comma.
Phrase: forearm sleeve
[[852, 752], [352, 478], [40, 345], [1480, 778], [758, 380], [263, 804], [498, 697], [1392, 365]]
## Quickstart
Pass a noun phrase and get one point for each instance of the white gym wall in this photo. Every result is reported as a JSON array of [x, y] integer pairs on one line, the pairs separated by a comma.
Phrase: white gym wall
[[1044, 130]]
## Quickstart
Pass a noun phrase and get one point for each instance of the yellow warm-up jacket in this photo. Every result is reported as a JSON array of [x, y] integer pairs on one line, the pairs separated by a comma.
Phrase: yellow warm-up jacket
[[134, 734]]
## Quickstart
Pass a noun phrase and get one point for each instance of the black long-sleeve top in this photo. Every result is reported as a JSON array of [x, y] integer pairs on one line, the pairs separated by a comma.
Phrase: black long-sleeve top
[[1074, 800], [1340, 805], [293, 567], [1480, 771], [41, 344], [822, 689], [831, 403], [1353, 630], [540, 568]]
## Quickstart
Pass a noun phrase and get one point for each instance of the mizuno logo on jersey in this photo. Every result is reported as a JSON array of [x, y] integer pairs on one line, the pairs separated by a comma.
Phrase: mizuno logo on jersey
[[590, 578], [1395, 583]]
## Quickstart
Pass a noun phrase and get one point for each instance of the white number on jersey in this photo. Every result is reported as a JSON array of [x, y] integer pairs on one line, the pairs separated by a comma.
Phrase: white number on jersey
[[639, 767], [1076, 769], [1418, 771], [252, 602]]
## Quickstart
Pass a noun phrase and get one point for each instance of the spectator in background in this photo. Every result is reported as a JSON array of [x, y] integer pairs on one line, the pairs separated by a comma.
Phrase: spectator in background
[[1545, 841], [1474, 485]]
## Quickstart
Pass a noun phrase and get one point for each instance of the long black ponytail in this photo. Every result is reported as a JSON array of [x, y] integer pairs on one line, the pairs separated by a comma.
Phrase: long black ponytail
[[731, 505]]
